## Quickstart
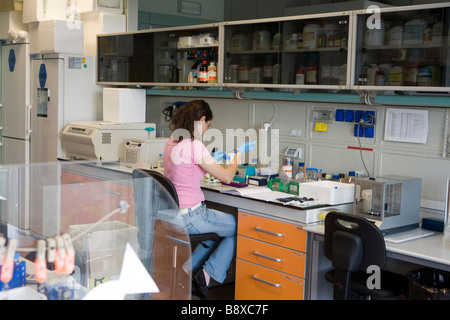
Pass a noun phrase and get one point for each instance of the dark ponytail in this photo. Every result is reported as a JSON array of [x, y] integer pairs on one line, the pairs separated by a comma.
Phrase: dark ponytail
[[186, 116]]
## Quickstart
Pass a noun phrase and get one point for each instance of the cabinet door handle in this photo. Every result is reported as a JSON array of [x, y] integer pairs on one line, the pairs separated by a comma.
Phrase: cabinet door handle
[[276, 234], [267, 257], [276, 285]]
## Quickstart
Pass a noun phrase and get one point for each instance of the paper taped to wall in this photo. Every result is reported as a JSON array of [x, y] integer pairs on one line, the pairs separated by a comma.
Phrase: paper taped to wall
[[406, 125]]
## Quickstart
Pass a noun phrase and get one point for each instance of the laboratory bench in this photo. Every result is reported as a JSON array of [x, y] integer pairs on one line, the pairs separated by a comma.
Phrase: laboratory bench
[[280, 247]]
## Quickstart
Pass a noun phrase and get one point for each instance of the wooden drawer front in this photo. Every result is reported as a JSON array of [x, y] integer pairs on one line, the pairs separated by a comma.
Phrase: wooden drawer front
[[268, 255], [254, 282], [276, 232]]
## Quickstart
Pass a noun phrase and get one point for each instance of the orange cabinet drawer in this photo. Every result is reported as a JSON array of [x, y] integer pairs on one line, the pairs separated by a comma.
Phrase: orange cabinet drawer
[[274, 257], [254, 282], [268, 230]]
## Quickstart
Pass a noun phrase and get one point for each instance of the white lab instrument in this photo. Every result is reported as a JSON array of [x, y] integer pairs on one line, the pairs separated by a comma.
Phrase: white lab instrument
[[143, 151], [101, 140], [124, 105], [293, 152], [328, 192], [393, 203]]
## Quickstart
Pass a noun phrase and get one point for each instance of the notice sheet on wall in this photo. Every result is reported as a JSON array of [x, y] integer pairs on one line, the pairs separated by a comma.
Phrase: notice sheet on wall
[[406, 125]]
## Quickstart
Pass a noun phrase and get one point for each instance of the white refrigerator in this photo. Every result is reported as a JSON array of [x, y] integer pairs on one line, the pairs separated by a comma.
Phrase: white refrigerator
[[16, 103], [16, 133], [63, 90]]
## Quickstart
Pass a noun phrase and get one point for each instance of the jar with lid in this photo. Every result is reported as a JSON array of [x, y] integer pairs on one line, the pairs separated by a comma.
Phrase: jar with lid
[[239, 42], [396, 35], [425, 77], [414, 31], [379, 78], [412, 68], [244, 69], [268, 69], [311, 33], [331, 31], [396, 76], [261, 40], [311, 69], [300, 77], [256, 73]]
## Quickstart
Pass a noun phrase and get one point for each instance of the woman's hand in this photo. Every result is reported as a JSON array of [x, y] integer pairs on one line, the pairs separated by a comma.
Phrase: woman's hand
[[219, 155], [246, 147]]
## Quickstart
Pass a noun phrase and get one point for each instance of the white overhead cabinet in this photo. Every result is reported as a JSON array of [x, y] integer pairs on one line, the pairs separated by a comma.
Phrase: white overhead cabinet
[[403, 49], [304, 51], [374, 50], [157, 56]]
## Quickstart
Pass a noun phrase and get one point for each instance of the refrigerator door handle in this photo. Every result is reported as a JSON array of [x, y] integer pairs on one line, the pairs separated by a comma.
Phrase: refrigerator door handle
[[29, 107]]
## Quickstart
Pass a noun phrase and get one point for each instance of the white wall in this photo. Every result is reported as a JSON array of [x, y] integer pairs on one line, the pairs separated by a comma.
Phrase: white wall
[[329, 150]]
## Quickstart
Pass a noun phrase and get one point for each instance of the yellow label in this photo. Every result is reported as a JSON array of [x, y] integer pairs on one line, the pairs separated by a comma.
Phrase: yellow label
[[320, 126], [96, 282]]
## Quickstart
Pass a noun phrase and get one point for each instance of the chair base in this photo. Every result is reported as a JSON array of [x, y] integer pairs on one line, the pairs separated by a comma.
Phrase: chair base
[[392, 285]]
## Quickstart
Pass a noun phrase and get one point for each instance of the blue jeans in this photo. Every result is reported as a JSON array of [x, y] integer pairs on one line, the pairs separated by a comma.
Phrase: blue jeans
[[215, 259]]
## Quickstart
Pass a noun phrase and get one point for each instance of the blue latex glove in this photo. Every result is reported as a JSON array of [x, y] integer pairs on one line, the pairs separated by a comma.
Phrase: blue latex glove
[[246, 147], [219, 155]]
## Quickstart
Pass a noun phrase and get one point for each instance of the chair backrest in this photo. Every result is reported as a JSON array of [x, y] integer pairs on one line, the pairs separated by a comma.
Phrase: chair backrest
[[353, 243], [162, 179]]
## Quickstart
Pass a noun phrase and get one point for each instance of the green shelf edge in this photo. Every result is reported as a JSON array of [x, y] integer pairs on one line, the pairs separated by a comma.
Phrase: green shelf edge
[[406, 100]]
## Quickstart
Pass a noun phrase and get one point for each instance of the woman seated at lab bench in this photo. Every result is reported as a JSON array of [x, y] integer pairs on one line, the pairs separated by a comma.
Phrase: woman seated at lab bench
[[186, 161]]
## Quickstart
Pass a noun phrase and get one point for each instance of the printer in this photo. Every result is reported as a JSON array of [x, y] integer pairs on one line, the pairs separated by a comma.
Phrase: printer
[[101, 140]]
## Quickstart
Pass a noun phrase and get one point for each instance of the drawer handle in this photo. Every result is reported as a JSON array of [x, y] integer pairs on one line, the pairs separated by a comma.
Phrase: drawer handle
[[112, 192], [276, 285], [76, 183], [267, 257], [269, 232]]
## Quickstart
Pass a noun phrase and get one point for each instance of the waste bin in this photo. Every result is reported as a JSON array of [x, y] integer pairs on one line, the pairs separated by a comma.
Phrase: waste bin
[[101, 249], [429, 284]]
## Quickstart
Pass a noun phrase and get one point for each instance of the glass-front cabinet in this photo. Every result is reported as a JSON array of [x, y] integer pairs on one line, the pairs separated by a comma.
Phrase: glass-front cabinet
[[294, 52], [379, 49], [159, 56], [402, 48]]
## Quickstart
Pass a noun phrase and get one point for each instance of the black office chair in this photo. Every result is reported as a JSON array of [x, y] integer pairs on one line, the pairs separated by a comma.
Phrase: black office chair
[[168, 185], [353, 244]]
